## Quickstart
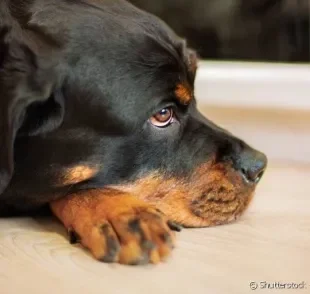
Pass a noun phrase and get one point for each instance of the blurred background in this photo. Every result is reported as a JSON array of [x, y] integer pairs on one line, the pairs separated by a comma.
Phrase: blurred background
[[254, 74], [260, 30]]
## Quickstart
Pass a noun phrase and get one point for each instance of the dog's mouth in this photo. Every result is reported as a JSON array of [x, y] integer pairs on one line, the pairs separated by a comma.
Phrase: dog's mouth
[[218, 207], [226, 194], [214, 194]]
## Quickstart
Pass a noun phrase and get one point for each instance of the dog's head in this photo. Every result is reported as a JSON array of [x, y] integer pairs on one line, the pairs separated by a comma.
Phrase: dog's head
[[122, 89]]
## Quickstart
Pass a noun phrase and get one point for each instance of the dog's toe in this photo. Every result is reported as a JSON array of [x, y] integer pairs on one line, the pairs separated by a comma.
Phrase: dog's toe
[[120, 228]]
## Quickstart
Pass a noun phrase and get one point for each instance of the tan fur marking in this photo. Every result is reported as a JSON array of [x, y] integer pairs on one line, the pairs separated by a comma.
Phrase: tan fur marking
[[215, 194], [78, 174], [102, 218], [183, 93]]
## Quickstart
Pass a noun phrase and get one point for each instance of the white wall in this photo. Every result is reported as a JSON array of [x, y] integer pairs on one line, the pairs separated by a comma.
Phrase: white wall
[[268, 105]]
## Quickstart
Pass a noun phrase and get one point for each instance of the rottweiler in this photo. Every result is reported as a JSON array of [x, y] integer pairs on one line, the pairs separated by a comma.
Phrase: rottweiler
[[98, 121]]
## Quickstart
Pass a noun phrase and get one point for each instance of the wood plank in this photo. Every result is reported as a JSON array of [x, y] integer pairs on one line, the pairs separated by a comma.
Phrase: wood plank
[[254, 85], [270, 243]]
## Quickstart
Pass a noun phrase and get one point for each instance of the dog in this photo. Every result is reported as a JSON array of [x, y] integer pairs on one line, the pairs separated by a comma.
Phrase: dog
[[99, 121]]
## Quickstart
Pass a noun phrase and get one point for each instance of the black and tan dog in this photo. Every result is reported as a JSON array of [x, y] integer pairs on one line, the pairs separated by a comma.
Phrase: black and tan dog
[[98, 119]]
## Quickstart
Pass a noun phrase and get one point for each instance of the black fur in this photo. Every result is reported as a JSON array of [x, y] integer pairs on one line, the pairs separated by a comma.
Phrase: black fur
[[78, 82]]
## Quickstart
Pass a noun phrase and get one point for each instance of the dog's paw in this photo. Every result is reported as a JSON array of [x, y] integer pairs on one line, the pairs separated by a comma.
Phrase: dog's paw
[[132, 237], [117, 227]]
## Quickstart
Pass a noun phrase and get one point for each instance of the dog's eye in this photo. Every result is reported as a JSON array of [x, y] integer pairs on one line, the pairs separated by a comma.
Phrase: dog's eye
[[163, 118]]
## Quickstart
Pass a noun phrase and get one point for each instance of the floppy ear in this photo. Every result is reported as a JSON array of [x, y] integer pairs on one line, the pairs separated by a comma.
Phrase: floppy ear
[[29, 103]]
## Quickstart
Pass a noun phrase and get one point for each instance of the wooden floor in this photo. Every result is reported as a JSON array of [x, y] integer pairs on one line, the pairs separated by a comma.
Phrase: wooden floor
[[270, 243]]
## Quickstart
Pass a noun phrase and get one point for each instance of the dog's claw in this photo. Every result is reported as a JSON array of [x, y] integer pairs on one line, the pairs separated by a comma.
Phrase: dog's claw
[[117, 227], [73, 236], [174, 226]]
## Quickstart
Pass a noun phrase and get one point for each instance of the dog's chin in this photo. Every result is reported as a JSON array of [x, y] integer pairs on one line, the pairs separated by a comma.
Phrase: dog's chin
[[225, 196], [219, 197], [214, 194], [218, 210]]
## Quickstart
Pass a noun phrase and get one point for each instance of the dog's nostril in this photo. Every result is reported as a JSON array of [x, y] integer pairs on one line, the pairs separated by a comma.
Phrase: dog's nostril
[[259, 176], [253, 168], [252, 175]]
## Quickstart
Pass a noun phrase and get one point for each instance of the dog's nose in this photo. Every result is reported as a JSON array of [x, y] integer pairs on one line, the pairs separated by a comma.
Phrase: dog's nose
[[252, 165]]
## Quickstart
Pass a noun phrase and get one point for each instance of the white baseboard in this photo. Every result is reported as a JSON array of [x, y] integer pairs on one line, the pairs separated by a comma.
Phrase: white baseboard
[[264, 85], [267, 105]]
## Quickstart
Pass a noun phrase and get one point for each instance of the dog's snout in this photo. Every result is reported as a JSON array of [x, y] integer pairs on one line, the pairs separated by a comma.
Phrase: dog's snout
[[252, 165]]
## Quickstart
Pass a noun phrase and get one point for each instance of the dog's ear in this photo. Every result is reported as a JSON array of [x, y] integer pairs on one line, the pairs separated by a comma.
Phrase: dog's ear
[[29, 103]]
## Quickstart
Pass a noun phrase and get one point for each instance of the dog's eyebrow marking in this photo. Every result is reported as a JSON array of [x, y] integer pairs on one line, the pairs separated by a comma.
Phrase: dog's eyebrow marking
[[77, 174], [183, 93]]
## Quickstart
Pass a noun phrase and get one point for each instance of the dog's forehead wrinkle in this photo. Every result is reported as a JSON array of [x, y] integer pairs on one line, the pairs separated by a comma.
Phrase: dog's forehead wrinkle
[[140, 30], [114, 21]]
